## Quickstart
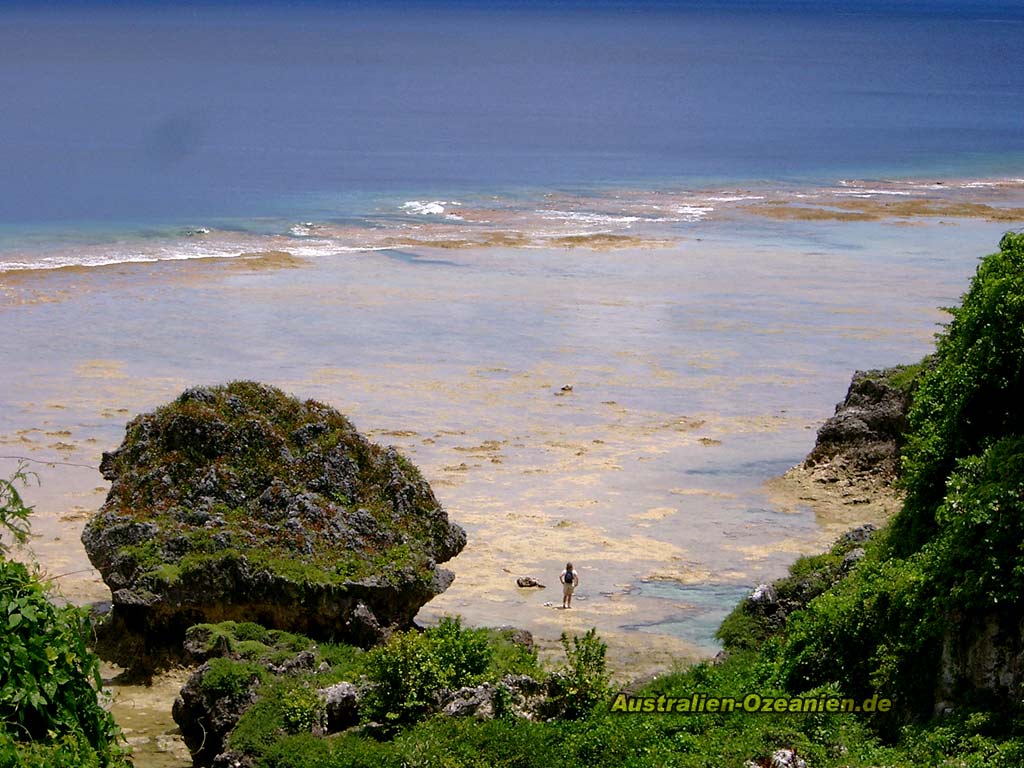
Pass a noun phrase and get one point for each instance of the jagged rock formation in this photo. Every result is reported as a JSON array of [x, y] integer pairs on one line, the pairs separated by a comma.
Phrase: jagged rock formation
[[866, 433], [238, 502], [206, 715], [984, 656]]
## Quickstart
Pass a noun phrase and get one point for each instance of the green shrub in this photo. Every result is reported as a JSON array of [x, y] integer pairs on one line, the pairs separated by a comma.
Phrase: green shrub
[[231, 679], [412, 668], [14, 513], [508, 657], [583, 682], [973, 394], [49, 711], [302, 710]]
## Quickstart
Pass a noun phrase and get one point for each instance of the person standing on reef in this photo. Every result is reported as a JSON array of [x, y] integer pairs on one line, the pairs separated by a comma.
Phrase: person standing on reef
[[570, 580]]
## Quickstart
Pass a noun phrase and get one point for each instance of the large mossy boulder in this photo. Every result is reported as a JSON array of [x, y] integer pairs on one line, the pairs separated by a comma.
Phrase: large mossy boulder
[[239, 502]]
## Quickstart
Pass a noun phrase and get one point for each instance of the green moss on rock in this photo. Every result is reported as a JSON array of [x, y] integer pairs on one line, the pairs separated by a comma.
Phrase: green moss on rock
[[240, 501]]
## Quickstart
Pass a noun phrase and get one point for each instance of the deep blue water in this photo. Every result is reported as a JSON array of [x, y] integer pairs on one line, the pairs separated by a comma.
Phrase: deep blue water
[[120, 115]]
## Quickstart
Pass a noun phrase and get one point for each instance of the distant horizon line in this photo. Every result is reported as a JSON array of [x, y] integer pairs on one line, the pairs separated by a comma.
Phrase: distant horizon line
[[944, 8]]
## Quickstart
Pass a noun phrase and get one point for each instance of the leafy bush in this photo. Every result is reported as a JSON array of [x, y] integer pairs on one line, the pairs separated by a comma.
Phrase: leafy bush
[[303, 710], [412, 669], [49, 711], [14, 512], [973, 394], [231, 679], [584, 682]]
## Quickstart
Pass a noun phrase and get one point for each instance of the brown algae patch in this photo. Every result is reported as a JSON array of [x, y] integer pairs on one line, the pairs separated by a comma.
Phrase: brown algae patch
[[601, 241], [869, 209], [264, 260]]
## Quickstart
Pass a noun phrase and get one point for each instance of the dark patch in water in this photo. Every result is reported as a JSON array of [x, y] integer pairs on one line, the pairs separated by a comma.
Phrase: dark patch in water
[[411, 258], [702, 609]]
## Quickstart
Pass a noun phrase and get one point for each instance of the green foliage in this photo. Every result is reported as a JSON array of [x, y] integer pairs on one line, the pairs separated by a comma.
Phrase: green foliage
[[583, 682], [973, 395], [746, 628], [413, 667], [49, 711], [302, 710], [977, 551], [604, 739], [906, 378], [252, 642], [48, 678], [65, 751], [509, 657], [870, 633], [953, 554], [232, 679], [14, 513], [262, 725]]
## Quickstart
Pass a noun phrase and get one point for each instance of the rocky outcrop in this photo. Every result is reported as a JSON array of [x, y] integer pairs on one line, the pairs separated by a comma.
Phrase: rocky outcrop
[[866, 433], [514, 695], [982, 656], [207, 714], [239, 502]]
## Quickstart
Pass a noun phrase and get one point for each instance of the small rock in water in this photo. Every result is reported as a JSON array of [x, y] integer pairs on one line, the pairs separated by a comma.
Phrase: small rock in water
[[528, 581]]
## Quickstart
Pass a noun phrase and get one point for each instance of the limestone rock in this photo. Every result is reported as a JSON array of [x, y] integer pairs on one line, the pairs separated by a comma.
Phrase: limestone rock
[[239, 502], [866, 432], [342, 706], [207, 718], [516, 695], [528, 581]]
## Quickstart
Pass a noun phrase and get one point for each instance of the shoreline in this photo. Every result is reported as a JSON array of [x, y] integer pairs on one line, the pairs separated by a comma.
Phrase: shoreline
[[608, 217]]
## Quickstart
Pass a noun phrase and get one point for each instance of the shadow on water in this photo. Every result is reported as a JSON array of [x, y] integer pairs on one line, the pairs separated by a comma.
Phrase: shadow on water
[[764, 468], [411, 258], [700, 609]]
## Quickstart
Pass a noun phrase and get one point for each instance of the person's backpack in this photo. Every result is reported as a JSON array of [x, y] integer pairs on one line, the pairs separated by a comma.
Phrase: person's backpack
[[568, 577]]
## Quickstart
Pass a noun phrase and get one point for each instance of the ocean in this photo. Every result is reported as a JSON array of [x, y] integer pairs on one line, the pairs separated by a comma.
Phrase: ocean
[[126, 118], [701, 217]]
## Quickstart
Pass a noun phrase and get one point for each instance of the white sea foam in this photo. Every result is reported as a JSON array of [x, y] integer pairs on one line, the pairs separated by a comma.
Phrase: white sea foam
[[734, 198], [303, 229], [107, 259], [588, 218], [872, 192], [427, 207], [694, 212], [309, 249]]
